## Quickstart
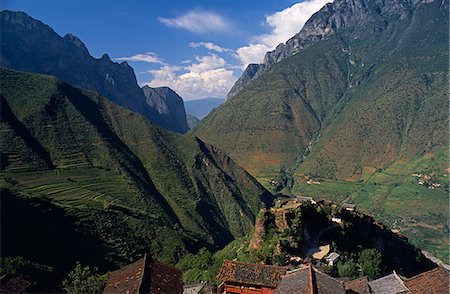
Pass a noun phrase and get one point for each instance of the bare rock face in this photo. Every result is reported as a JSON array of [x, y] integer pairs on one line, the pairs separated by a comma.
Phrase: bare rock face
[[169, 105], [333, 16], [247, 75], [32, 46]]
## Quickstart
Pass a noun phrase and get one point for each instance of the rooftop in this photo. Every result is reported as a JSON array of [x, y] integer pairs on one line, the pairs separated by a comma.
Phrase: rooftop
[[360, 286], [145, 276], [433, 281], [127, 279], [251, 274], [309, 280], [392, 284]]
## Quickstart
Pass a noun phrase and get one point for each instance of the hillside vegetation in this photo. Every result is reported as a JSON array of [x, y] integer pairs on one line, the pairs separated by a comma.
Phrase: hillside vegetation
[[78, 170], [360, 111]]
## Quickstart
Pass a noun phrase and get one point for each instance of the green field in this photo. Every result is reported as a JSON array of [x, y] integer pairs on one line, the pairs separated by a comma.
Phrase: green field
[[394, 197]]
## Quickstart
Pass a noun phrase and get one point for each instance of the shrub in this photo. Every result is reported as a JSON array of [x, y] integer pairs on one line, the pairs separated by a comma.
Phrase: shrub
[[84, 280], [370, 263]]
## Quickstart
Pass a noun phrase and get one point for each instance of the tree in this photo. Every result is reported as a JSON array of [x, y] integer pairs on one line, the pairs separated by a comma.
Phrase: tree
[[370, 263], [348, 269], [84, 280], [31, 271]]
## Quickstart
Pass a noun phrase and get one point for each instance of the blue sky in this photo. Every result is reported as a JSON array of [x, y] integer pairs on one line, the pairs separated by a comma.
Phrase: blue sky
[[196, 47]]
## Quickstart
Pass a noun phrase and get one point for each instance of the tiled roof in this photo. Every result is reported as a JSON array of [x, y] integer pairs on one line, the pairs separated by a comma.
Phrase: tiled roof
[[162, 278], [309, 280], [359, 286], [326, 284], [296, 281], [199, 288], [250, 274], [193, 288], [391, 284], [127, 279], [434, 281], [145, 276], [13, 284]]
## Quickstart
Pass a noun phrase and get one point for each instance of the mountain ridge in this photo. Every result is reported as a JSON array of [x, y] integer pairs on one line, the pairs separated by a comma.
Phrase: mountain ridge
[[127, 183], [30, 45], [333, 16]]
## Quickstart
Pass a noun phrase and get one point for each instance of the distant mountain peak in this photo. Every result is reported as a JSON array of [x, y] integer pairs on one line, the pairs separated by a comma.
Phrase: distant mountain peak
[[75, 40], [30, 45], [333, 16]]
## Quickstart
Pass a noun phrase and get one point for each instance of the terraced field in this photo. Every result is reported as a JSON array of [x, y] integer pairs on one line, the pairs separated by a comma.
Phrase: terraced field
[[116, 180], [75, 187]]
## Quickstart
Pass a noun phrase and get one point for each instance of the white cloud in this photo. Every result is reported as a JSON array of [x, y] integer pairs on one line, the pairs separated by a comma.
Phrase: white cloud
[[210, 46], [284, 24], [149, 57], [252, 53], [198, 21], [207, 77]]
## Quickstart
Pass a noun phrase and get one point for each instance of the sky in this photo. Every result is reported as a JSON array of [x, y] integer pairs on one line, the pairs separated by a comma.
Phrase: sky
[[199, 48]]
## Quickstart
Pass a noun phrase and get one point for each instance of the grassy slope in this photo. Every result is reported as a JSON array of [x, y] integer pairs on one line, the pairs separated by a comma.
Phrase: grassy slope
[[383, 105], [398, 121], [122, 181]]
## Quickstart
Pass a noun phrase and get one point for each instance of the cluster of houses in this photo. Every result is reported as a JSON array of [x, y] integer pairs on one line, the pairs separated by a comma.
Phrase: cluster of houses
[[426, 180], [151, 276]]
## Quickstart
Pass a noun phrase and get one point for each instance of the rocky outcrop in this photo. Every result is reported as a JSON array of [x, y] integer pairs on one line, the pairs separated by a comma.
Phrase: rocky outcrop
[[169, 106], [332, 17], [246, 77], [30, 45]]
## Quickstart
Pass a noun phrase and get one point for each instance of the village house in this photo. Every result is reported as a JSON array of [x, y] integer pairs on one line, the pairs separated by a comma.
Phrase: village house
[[313, 182], [306, 199], [358, 286], [13, 284], [145, 276], [336, 219], [434, 281], [248, 278], [199, 288], [323, 201], [332, 258], [309, 280], [349, 207], [392, 283]]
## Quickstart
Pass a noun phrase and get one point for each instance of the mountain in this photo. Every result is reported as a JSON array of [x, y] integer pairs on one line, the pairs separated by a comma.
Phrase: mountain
[[192, 121], [29, 45], [168, 104], [85, 179], [202, 107], [248, 74], [358, 109], [330, 19]]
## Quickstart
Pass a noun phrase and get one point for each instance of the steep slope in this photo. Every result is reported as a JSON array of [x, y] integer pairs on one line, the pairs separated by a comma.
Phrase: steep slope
[[360, 110], [355, 87], [169, 105], [202, 107], [29, 45], [269, 123], [118, 179], [329, 20], [192, 121]]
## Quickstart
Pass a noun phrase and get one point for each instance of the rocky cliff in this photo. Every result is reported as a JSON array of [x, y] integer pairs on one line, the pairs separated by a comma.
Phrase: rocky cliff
[[329, 19], [168, 104]]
